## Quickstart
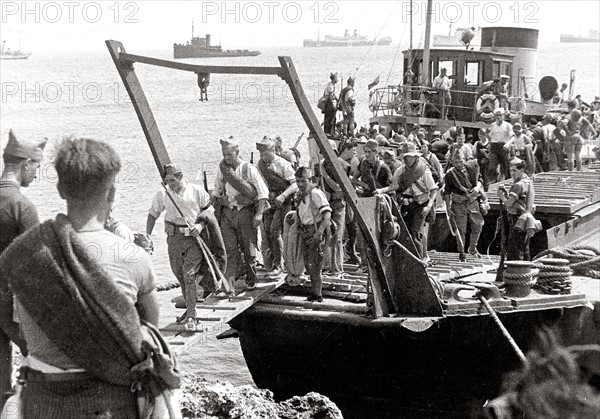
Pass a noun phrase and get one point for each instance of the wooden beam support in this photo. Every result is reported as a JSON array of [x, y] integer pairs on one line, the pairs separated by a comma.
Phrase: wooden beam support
[[141, 106], [194, 68]]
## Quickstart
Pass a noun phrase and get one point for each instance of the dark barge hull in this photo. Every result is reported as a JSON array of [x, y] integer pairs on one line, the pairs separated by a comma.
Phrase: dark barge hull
[[387, 371]]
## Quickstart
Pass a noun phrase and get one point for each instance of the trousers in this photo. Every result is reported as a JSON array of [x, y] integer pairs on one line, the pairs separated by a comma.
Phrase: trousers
[[241, 240], [467, 212]]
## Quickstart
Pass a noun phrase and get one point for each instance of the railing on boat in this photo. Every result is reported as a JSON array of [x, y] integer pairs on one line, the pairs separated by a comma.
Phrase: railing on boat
[[423, 101]]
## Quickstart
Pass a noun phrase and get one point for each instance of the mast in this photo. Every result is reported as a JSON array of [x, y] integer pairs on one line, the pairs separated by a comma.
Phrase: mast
[[192, 28], [426, 46], [408, 74]]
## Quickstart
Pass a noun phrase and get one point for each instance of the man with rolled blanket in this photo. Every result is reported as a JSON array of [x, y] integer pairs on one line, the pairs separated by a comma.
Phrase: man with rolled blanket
[[87, 308], [188, 263], [313, 218], [17, 214]]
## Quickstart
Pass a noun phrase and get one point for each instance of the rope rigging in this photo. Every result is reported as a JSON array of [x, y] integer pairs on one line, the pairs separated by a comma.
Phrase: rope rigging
[[375, 40]]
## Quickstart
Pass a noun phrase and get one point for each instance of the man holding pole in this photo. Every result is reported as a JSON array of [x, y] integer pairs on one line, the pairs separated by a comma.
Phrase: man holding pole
[[188, 212]]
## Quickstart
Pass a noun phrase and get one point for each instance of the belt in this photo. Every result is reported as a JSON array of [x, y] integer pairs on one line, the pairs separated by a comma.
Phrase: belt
[[178, 229], [41, 377], [236, 208]]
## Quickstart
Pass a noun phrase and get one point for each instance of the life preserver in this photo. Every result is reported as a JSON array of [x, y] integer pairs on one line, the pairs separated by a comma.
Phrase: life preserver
[[485, 106]]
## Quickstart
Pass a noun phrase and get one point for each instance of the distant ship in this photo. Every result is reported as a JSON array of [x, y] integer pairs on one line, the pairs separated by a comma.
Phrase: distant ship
[[593, 36], [201, 48], [453, 41], [354, 40], [8, 54]]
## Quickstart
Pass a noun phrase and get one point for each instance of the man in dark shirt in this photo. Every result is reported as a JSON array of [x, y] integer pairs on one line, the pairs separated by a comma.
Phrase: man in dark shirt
[[461, 192], [373, 173], [17, 214]]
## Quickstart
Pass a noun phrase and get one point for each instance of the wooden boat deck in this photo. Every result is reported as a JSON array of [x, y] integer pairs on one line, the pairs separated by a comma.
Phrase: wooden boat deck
[[350, 289], [559, 192]]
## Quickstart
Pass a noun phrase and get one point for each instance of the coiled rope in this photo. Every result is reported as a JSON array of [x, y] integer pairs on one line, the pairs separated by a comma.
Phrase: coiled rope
[[582, 259], [523, 280]]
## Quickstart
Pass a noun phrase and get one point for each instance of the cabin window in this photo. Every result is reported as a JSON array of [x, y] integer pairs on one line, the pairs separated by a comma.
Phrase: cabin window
[[473, 74], [448, 65]]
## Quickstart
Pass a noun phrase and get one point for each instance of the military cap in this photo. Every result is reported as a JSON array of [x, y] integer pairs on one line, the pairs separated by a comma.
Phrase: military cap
[[22, 149], [265, 144], [229, 144], [171, 169]]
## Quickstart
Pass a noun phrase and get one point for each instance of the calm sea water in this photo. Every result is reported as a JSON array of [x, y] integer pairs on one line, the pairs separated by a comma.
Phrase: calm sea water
[[81, 94]]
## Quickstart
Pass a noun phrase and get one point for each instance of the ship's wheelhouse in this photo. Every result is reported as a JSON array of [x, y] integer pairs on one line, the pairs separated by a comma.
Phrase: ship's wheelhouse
[[468, 70]]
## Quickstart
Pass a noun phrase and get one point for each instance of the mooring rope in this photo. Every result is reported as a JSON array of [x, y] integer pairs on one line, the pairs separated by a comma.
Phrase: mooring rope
[[582, 259]]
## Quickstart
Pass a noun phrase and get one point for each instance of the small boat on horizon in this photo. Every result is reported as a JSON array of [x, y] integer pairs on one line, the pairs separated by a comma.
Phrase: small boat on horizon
[[8, 54], [201, 48], [354, 40]]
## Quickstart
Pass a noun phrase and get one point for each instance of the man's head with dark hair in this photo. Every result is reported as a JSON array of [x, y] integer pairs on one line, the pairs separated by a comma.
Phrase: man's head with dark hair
[[86, 168]]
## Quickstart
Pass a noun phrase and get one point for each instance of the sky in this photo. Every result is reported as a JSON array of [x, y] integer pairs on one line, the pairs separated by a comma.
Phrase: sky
[[47, 26]]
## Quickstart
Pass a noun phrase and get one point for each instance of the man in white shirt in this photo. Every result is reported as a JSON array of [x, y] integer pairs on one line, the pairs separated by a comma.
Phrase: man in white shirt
[[499, 133], [442, 84], [185, 256]]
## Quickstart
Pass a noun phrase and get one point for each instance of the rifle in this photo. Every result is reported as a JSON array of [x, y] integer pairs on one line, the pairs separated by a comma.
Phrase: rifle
[[297, 142], [571, 83], [217, 276], [524, 87]]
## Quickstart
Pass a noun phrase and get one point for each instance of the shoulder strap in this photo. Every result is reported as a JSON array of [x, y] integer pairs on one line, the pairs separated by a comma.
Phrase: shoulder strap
[[453, 171]]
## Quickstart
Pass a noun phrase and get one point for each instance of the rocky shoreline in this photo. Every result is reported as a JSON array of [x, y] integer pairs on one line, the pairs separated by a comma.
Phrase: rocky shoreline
[[209, 399], [215, 399]]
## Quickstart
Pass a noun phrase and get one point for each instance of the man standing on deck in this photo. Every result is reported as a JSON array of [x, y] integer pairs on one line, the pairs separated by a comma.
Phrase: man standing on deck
[[573, 124], [346, 105], [499, 133], [243, 198], [442, 84], [416, 192], [185, 256], [314, 219], [461, 192], [330, 104], [17, 214], [278, 174], [518, 202]]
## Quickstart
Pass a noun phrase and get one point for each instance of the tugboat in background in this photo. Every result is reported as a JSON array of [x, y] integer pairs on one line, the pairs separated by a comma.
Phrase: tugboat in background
[[201, 48], [8, 54]]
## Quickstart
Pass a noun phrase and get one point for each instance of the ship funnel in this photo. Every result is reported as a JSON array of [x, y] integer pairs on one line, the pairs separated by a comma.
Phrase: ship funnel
[[522, 43], [548, 86]]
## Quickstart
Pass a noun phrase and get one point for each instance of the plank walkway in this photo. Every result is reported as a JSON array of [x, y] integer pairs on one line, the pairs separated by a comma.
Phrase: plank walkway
[[213, 313]]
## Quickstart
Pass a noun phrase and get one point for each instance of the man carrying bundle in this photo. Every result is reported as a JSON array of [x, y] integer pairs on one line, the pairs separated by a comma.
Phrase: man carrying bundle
[[313, 216], [87, 309], [278, 174], [243, 197]]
